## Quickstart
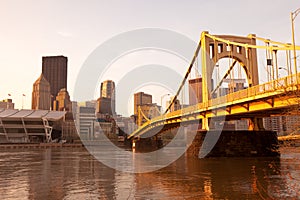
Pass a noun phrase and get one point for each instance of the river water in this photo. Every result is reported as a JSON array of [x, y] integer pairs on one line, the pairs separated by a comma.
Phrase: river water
[[72, 173]]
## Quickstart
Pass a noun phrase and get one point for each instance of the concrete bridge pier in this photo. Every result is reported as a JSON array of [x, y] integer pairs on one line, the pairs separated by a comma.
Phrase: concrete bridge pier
[[233, 143]]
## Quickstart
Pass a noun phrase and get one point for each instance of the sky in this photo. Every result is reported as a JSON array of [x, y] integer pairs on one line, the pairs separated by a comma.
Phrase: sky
[[74, 28]]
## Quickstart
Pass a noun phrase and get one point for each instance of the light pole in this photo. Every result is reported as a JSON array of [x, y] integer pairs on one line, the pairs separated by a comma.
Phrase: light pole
[[23, 96], [161, 99], [7, 101], [293, 16], [51, 97]]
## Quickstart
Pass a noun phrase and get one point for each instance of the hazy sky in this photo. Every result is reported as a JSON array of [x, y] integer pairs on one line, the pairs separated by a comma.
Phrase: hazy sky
[[74, 28]]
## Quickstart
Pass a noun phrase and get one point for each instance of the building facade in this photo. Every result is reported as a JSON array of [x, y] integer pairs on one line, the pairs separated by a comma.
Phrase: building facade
[[283, 125], [235, 85], [107, 101], [176, 105], [107, 89], [7, 104], [195, 91], [85, 119], [41, 96], [150, 110], [20, 126], [104, 106], [62, 101], [54, 69], [141, 98]]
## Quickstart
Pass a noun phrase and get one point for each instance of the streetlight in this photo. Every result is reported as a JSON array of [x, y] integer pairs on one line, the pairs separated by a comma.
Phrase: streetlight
[[51, 97], [161, 98], [293, 16], [7, 101], [23, 96]]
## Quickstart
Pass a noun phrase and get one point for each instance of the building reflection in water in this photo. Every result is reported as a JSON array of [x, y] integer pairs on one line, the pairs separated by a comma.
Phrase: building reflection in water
[[70, 175], [75, 174]]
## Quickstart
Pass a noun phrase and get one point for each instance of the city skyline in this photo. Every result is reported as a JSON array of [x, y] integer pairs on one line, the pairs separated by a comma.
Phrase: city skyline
[[31, 32]]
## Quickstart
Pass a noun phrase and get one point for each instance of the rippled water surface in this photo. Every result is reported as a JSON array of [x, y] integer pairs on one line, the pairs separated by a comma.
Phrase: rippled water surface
[[72, 173]]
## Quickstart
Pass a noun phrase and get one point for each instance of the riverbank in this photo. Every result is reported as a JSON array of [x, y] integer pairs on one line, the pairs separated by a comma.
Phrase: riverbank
[[284, 141], [39, 145], [289, 141]]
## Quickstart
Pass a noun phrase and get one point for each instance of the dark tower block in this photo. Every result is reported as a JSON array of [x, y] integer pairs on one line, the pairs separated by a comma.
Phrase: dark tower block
[[55, 71]]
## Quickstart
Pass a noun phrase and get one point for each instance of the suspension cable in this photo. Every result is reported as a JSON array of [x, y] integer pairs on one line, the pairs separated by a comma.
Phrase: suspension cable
[[186, 75], [226, 74]]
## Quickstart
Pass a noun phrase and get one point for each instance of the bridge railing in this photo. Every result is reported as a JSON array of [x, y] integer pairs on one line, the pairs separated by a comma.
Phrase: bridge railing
[[281, 83], [273, 85]]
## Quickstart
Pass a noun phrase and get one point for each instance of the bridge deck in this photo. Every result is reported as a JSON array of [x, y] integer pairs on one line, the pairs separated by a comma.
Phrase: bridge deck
[[268, 97]]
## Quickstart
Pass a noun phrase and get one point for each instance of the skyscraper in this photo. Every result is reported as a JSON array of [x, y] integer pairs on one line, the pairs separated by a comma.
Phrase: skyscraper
[[54, 70], [107, 89], [141, 98], [106, 104], [41, 94]]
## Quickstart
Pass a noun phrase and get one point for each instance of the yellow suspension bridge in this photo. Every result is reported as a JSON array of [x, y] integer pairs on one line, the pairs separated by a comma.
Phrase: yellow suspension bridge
[[257, 101]]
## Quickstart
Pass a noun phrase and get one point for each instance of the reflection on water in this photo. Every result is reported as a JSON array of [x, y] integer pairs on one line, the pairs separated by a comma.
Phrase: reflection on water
[[75, 174]]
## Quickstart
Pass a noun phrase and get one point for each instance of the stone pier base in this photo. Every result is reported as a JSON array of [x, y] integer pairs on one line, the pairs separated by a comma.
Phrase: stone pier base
[[236, 144]]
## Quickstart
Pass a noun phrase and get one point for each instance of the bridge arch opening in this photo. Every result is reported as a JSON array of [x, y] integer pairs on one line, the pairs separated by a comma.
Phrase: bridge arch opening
[[229, 75], [217, 47]]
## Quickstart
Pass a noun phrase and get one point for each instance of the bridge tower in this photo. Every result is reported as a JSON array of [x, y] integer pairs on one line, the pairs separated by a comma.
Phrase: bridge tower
[[213, 50]]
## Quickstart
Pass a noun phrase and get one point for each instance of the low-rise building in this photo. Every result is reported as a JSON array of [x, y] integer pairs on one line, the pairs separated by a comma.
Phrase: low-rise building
[[30, 125], [283, 125], [85, 119], [62, 101], [176, 105], [7, 104]]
